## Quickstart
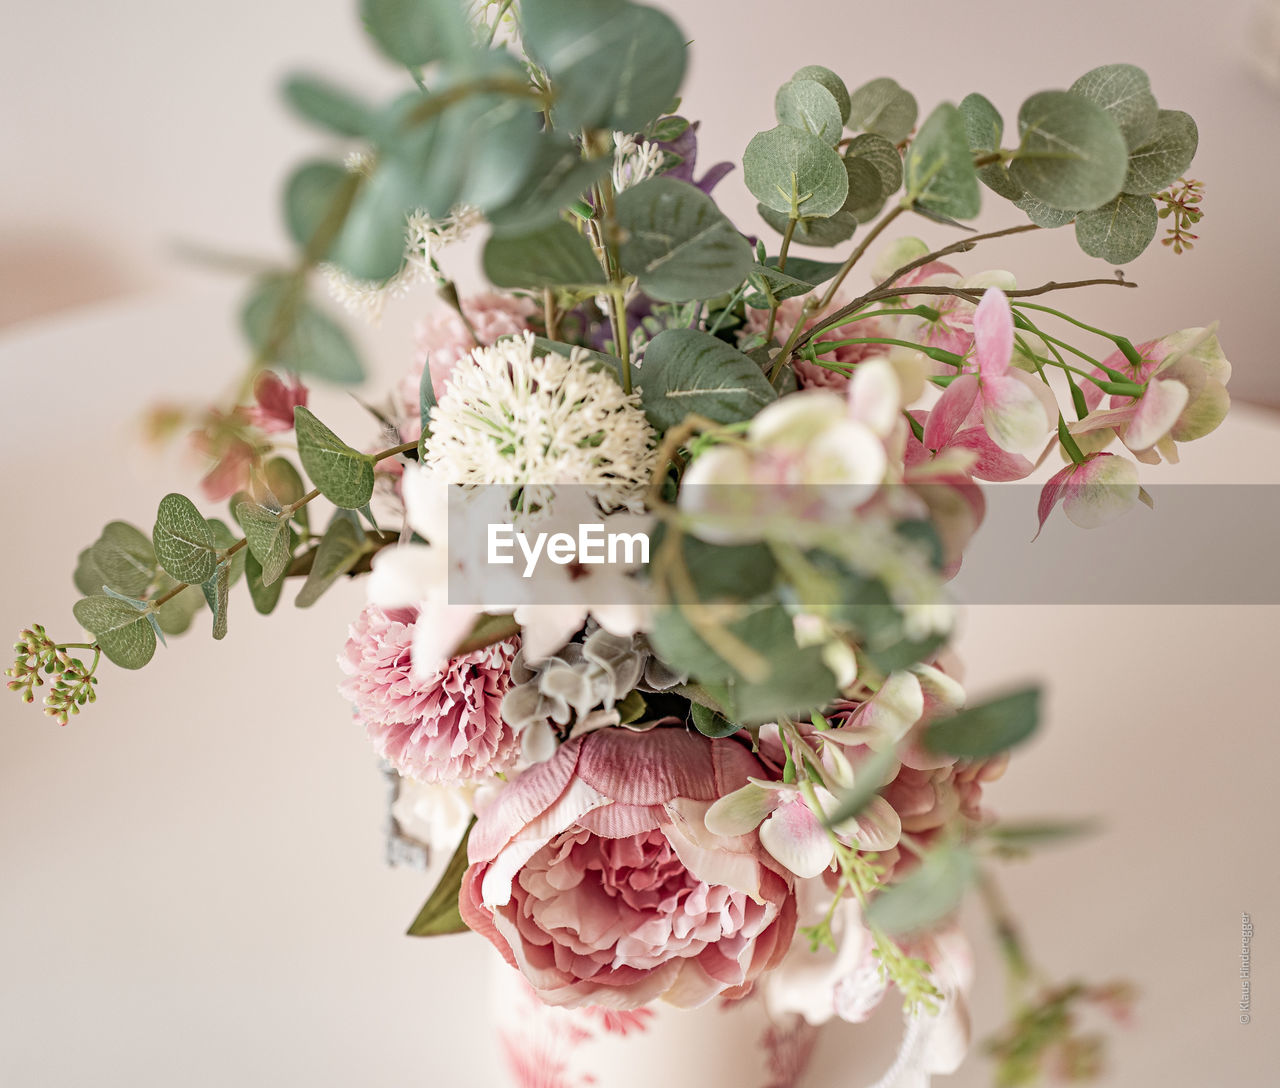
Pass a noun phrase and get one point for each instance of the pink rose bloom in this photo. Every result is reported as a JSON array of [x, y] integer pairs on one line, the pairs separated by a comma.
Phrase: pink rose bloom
[[443, 340], [594, 874], [445, 728], [810, 375], [274, 401]]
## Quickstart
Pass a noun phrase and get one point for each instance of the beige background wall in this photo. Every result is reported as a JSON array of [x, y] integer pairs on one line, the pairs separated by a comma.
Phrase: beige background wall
[[191, 886]]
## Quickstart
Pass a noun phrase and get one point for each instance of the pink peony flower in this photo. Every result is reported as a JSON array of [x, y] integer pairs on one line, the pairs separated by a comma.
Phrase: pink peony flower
[[594, 873], [274, 401], [445, 727], [811, 375], [443, 340]]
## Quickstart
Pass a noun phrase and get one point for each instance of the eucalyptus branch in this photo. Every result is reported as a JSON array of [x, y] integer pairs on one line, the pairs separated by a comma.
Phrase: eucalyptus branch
[[884, 222]]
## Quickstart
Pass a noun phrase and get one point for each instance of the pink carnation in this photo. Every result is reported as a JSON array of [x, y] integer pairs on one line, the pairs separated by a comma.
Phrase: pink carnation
[[594, 873], [811, 375], [443, 340], [446, 728]]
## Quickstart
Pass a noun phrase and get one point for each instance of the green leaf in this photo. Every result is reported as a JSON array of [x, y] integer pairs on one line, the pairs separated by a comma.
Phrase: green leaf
[[823, 231], [439, 914], [785, 164], [678, 244], [613, 65], [1162, 159], [1118, 232], [216, 592], [184, 543], [417, 32], [311, 195], [1072, 153], [984, 130], [267, 532], [124, 633], [879, 153], [688, 371], [727, 572], [339, 550], [123, 559], [265, 597], [866, 189], [175, 615], [344, 476], [782, 285], [596, 360], [927, 895], [558, 176], [797, 679], [286, 487], [986, 730], [807, 105], [939, 174], [324, 104], [291, 334], [1124, 91], [552, 256], [882, 107], [710, 724], [1044, 216], [872, 777], [1025, 833], [832, 82]]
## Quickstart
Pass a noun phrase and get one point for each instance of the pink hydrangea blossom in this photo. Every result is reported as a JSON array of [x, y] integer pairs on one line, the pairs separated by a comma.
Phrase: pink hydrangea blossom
[[1092, 493], [595, 874], [444, 727], [811, 375], [274, 401], [443, 339]]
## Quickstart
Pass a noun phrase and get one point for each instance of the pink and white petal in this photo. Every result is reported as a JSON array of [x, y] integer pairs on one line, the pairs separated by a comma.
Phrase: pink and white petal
[[992, 463], [894, 709], [547, 627], [1103, 418], [950, 412], [620, 821], [649, 768], [876, 827], [875, 397], [713, 859], [1100, 490], [1156, 413], [794, 837], [993, 333], [1203, 414], [1051, 494], [1014, 415], [521, 801], [742, 810]]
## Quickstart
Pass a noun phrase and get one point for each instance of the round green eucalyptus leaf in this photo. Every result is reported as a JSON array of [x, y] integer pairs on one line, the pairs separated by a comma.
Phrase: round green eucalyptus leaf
[[832, 82], [613, 64], [1165, 156], [184, 544], [678, 244], [125, 560], [1124, 91], [928, 894], [292, 334], [554, 255], [1118, 232], [807, 105], [690, 371], [824, 231], [320, 102], [786, 168], [344, 476], [1072, 153], [124, 632], [938, 172], [371, 243], [881, 154], [417, 32], [315, 193], [995, 176], [883, 107], [866, 189], [1042, 215], [983, 125]]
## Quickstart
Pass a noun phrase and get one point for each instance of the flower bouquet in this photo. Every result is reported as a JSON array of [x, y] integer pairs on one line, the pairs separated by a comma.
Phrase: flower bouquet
[[658, 532]]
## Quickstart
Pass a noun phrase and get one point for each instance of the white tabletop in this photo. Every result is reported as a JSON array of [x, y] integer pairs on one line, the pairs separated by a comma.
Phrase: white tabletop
[[194, 890]]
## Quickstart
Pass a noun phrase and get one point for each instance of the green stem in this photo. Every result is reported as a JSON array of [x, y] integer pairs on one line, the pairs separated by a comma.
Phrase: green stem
[[782, 267], [1122, 342]]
